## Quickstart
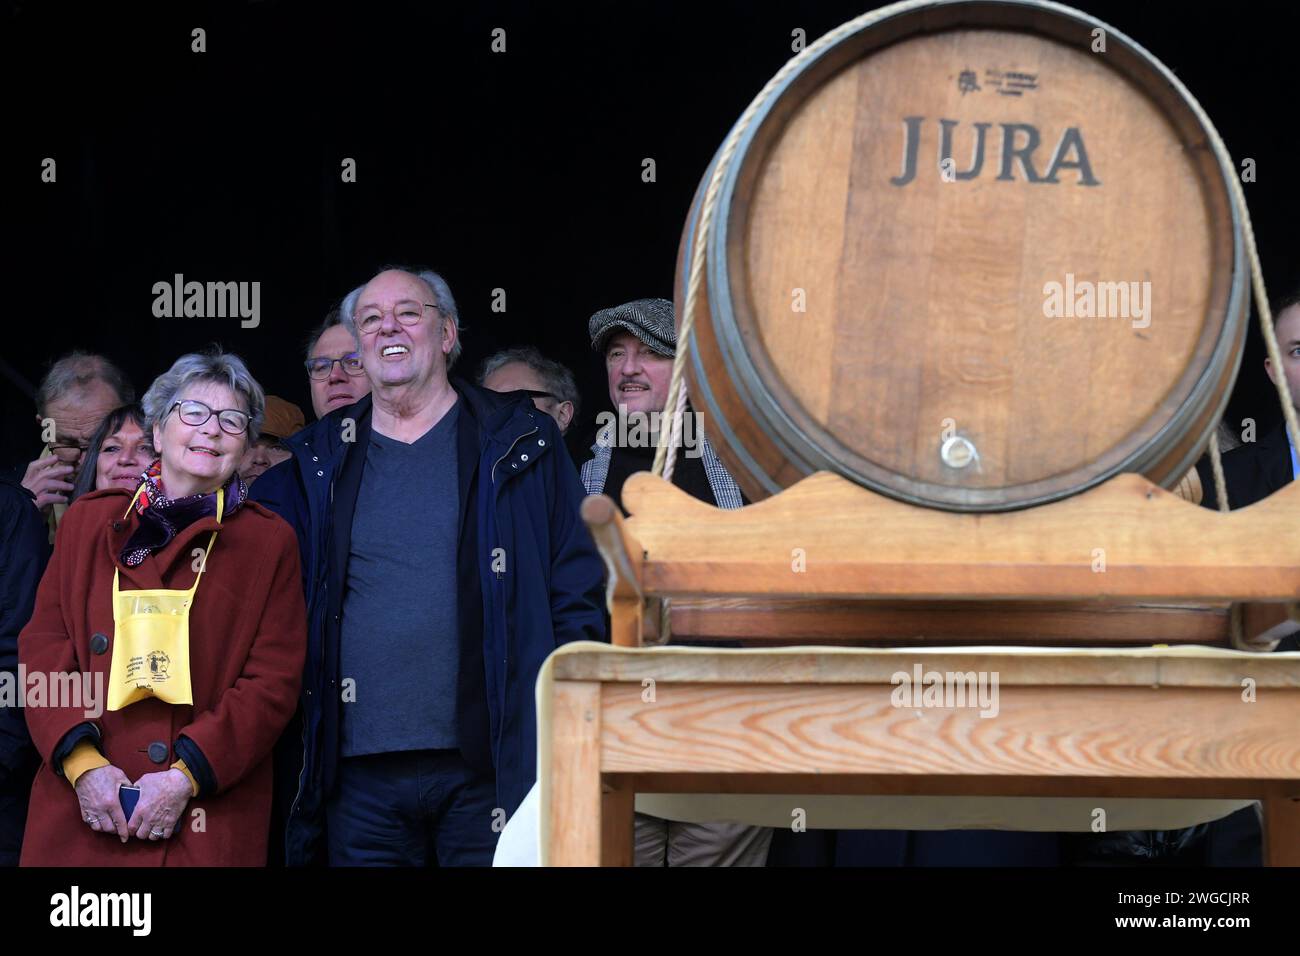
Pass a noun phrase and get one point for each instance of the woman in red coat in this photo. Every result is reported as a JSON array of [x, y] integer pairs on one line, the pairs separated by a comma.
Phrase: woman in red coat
[[186, 575]]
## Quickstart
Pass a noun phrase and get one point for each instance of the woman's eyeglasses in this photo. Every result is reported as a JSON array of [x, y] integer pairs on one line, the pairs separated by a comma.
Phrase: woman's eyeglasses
[[231, 420]]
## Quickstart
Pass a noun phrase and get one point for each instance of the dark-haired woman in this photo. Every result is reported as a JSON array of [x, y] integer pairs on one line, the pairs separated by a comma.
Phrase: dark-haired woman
[[119, 452]]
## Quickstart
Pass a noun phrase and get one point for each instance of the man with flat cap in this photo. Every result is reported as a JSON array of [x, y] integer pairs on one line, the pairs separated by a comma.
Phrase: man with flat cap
[[638, 341]]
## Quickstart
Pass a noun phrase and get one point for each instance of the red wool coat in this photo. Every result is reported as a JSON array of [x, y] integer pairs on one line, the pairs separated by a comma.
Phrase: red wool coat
[[248, 638]]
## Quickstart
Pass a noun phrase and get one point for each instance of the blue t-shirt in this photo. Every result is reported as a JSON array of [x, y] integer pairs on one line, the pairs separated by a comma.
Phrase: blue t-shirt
[[400, 642]]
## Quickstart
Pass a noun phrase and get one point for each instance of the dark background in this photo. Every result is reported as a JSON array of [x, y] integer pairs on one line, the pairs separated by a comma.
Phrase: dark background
[[519, 171]]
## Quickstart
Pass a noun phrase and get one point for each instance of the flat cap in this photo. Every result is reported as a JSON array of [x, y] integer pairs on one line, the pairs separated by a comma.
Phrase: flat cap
[[650, 320], [282, 419]]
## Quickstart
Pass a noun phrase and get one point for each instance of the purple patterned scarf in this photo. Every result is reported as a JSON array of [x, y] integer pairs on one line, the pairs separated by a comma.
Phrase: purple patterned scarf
[[162, 518]]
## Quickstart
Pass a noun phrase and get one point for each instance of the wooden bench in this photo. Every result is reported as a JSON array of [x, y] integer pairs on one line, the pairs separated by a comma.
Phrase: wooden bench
[[829, 562]]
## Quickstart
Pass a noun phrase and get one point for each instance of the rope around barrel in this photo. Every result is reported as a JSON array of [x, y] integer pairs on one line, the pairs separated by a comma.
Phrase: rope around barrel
[[665, 454], [1265, 312]]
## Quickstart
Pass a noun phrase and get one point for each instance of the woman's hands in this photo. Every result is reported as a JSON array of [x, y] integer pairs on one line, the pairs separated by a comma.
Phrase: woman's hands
[[162, 801], [100, 806], [163, 797]]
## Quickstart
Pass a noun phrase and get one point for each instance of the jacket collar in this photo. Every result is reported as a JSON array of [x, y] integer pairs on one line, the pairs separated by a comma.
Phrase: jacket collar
[[502, 417], [503, 420], [326, 435], [595, 470], [350, 461], [488, 421]]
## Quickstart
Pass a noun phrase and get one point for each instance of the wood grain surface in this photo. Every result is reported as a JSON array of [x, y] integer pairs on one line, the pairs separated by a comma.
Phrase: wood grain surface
[[826, 537], [1169, 732]]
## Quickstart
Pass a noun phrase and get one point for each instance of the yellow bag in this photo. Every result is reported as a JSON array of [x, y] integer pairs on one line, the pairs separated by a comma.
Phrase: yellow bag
[[151, 638]]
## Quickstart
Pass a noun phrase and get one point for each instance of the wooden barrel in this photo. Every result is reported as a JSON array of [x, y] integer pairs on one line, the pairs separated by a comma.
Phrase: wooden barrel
[[976, 256]]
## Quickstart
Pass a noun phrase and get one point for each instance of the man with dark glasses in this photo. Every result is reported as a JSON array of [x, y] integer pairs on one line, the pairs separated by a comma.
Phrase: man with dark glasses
[[334, 371]]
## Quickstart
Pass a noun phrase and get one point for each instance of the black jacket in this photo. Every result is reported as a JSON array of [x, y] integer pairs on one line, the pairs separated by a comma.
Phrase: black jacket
[[25, 552], [1251, 472]]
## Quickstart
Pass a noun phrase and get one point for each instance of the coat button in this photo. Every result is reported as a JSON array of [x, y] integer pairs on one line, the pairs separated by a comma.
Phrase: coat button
[[541, 443], [523, 457], [314, 458], [514, 464], [158, 751], [320, 474], [98, 643], [118, 526]]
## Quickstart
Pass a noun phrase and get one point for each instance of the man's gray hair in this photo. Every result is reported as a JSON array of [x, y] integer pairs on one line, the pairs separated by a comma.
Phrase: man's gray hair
[[556, 377], [75, 371], [442, 298], [223, 368]]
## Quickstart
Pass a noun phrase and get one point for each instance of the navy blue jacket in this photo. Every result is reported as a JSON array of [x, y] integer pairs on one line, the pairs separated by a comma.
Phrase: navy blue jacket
[[529, 579]]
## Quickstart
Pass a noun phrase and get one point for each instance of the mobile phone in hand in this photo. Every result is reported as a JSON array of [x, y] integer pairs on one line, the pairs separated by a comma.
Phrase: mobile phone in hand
[[128, 797]]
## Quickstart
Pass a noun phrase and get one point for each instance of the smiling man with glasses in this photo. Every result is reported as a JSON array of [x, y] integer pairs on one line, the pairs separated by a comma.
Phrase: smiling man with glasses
[[334, 371], [445, 561]]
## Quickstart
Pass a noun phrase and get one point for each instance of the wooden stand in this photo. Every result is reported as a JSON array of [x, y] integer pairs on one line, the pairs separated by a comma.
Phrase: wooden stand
[[827, 561]]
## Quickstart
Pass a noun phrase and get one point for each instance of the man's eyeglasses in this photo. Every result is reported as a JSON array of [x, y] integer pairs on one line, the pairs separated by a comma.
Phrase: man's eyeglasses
[[321, 368], [68, 450], [371, 317], [231, 420]]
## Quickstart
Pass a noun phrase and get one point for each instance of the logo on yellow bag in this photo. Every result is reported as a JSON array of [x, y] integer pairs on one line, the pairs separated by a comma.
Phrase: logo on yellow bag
[[158, 664], [148, 670]]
